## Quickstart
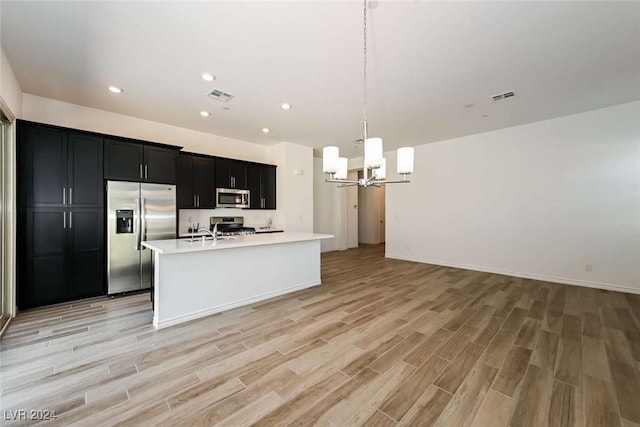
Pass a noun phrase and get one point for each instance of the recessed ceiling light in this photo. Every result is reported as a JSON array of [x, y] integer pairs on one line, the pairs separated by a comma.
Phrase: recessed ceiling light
[[208, 77], [484, 116], [205, 113], [115, 89], [469, 105], [266, 130], [286, 106], [225, 108]]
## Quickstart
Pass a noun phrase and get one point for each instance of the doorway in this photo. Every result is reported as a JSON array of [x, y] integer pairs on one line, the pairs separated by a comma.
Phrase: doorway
[[371, 214]]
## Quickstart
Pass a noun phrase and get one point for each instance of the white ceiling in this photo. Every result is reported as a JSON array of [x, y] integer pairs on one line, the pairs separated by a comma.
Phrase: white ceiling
[[427, 60]]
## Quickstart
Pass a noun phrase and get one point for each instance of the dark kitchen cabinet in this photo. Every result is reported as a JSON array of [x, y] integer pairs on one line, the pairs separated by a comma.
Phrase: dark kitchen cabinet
[[231, 173], [84, 176], [196, 182], [85, 249], [133, 161], [60, 202], [123, 160], [42, 160], [261, 181], [44, 280], [160, 164], [58, 168], [64, 256]]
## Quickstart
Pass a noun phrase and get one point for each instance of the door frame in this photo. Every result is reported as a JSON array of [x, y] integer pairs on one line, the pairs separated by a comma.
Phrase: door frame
[[8, 217]]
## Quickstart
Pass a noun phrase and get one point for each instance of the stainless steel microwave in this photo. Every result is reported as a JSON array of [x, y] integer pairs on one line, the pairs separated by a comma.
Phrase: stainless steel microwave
[[232, 198]]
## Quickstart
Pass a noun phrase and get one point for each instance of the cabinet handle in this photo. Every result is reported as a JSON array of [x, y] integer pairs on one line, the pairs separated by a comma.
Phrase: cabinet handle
[[198, 200], [233, 182], [64, 196], [141, 176], [70, 219], [146, 171], [194, 201], [64, 220], [70, 195]]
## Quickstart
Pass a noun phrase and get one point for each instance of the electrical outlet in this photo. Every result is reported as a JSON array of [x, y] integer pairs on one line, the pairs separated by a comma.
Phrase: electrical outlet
[[588, 267]]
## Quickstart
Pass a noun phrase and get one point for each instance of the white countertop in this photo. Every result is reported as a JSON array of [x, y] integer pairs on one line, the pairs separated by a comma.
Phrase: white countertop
[[182, 245]]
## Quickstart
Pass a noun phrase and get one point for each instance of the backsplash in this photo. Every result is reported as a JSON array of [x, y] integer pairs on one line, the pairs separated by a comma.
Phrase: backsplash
[[251, 218]]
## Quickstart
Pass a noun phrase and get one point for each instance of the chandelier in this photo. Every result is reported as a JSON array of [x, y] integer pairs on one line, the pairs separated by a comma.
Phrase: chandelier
[[375, 165]]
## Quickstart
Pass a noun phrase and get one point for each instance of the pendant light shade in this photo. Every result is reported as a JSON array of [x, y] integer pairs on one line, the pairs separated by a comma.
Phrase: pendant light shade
[[330, 159], [405, 160], [343, 165], [372, 153], [381, 173]]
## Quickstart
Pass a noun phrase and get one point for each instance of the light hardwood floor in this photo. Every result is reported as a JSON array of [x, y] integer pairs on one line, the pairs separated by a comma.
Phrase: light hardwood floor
[[380, 343]]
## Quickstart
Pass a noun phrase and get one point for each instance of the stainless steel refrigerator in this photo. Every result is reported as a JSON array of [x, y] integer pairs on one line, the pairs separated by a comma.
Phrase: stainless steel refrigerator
[[137, 212]]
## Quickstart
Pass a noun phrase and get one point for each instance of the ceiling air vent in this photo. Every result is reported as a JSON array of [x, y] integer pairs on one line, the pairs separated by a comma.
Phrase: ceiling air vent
[[220, 95], [503, 96]]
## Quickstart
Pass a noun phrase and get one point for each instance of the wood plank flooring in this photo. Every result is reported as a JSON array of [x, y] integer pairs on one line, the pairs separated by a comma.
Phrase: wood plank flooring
[[380, 343]]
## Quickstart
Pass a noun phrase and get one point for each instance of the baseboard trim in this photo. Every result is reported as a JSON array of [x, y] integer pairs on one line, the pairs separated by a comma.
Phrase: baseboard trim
[[565, 281], [228, 306]]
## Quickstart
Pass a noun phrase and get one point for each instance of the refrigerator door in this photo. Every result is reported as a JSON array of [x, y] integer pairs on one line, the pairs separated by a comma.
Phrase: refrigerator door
[[123, 256], [158, 218]]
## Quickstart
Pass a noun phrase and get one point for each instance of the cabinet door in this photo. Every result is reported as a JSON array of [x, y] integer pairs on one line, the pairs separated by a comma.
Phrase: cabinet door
[[185, 197], [223, 174], [123, 160], [45, 279], [238, 171], [160, 165], [269, 187], [85, 175], [43, 166], [204, 177], [85, 246], [254, 181]]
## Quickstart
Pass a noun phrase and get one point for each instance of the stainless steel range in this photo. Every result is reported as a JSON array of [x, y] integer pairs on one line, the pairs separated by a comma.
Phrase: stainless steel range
[[230, 225]]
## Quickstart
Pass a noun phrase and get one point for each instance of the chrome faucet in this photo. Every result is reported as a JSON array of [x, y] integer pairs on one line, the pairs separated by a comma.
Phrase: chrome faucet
[[213, 234]]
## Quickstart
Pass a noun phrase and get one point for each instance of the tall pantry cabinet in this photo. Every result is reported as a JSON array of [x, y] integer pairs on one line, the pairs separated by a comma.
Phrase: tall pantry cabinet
[[61, 215]]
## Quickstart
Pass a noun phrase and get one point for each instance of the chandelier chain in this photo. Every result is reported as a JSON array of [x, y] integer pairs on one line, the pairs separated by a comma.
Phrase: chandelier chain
[[364, 12]]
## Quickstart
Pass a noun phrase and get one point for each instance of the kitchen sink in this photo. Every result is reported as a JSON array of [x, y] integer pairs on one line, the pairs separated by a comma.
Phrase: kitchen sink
[[208, 239]]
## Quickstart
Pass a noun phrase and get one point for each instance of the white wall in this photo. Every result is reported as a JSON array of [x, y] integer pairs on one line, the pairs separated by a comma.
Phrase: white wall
[[294, 186], [329, 210], [541, 200], [51, 111], [10, 91], [352, 211]]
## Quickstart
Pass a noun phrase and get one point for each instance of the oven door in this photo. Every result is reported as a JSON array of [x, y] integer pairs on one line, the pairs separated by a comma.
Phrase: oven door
[[232, 198]]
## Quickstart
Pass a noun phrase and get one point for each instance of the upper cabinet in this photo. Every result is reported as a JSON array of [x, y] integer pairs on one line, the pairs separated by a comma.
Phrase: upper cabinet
[[196, 182], [85, 176], [59, 168], [261, 181], [160, 164], [123, 160], [231, 173], [131, 161]]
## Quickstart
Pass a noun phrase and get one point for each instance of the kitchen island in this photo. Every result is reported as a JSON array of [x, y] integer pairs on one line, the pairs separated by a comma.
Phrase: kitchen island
[[198, 278]]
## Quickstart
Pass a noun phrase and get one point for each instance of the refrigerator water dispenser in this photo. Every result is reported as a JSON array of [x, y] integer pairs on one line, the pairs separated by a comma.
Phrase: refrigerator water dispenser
[[124, 221]]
